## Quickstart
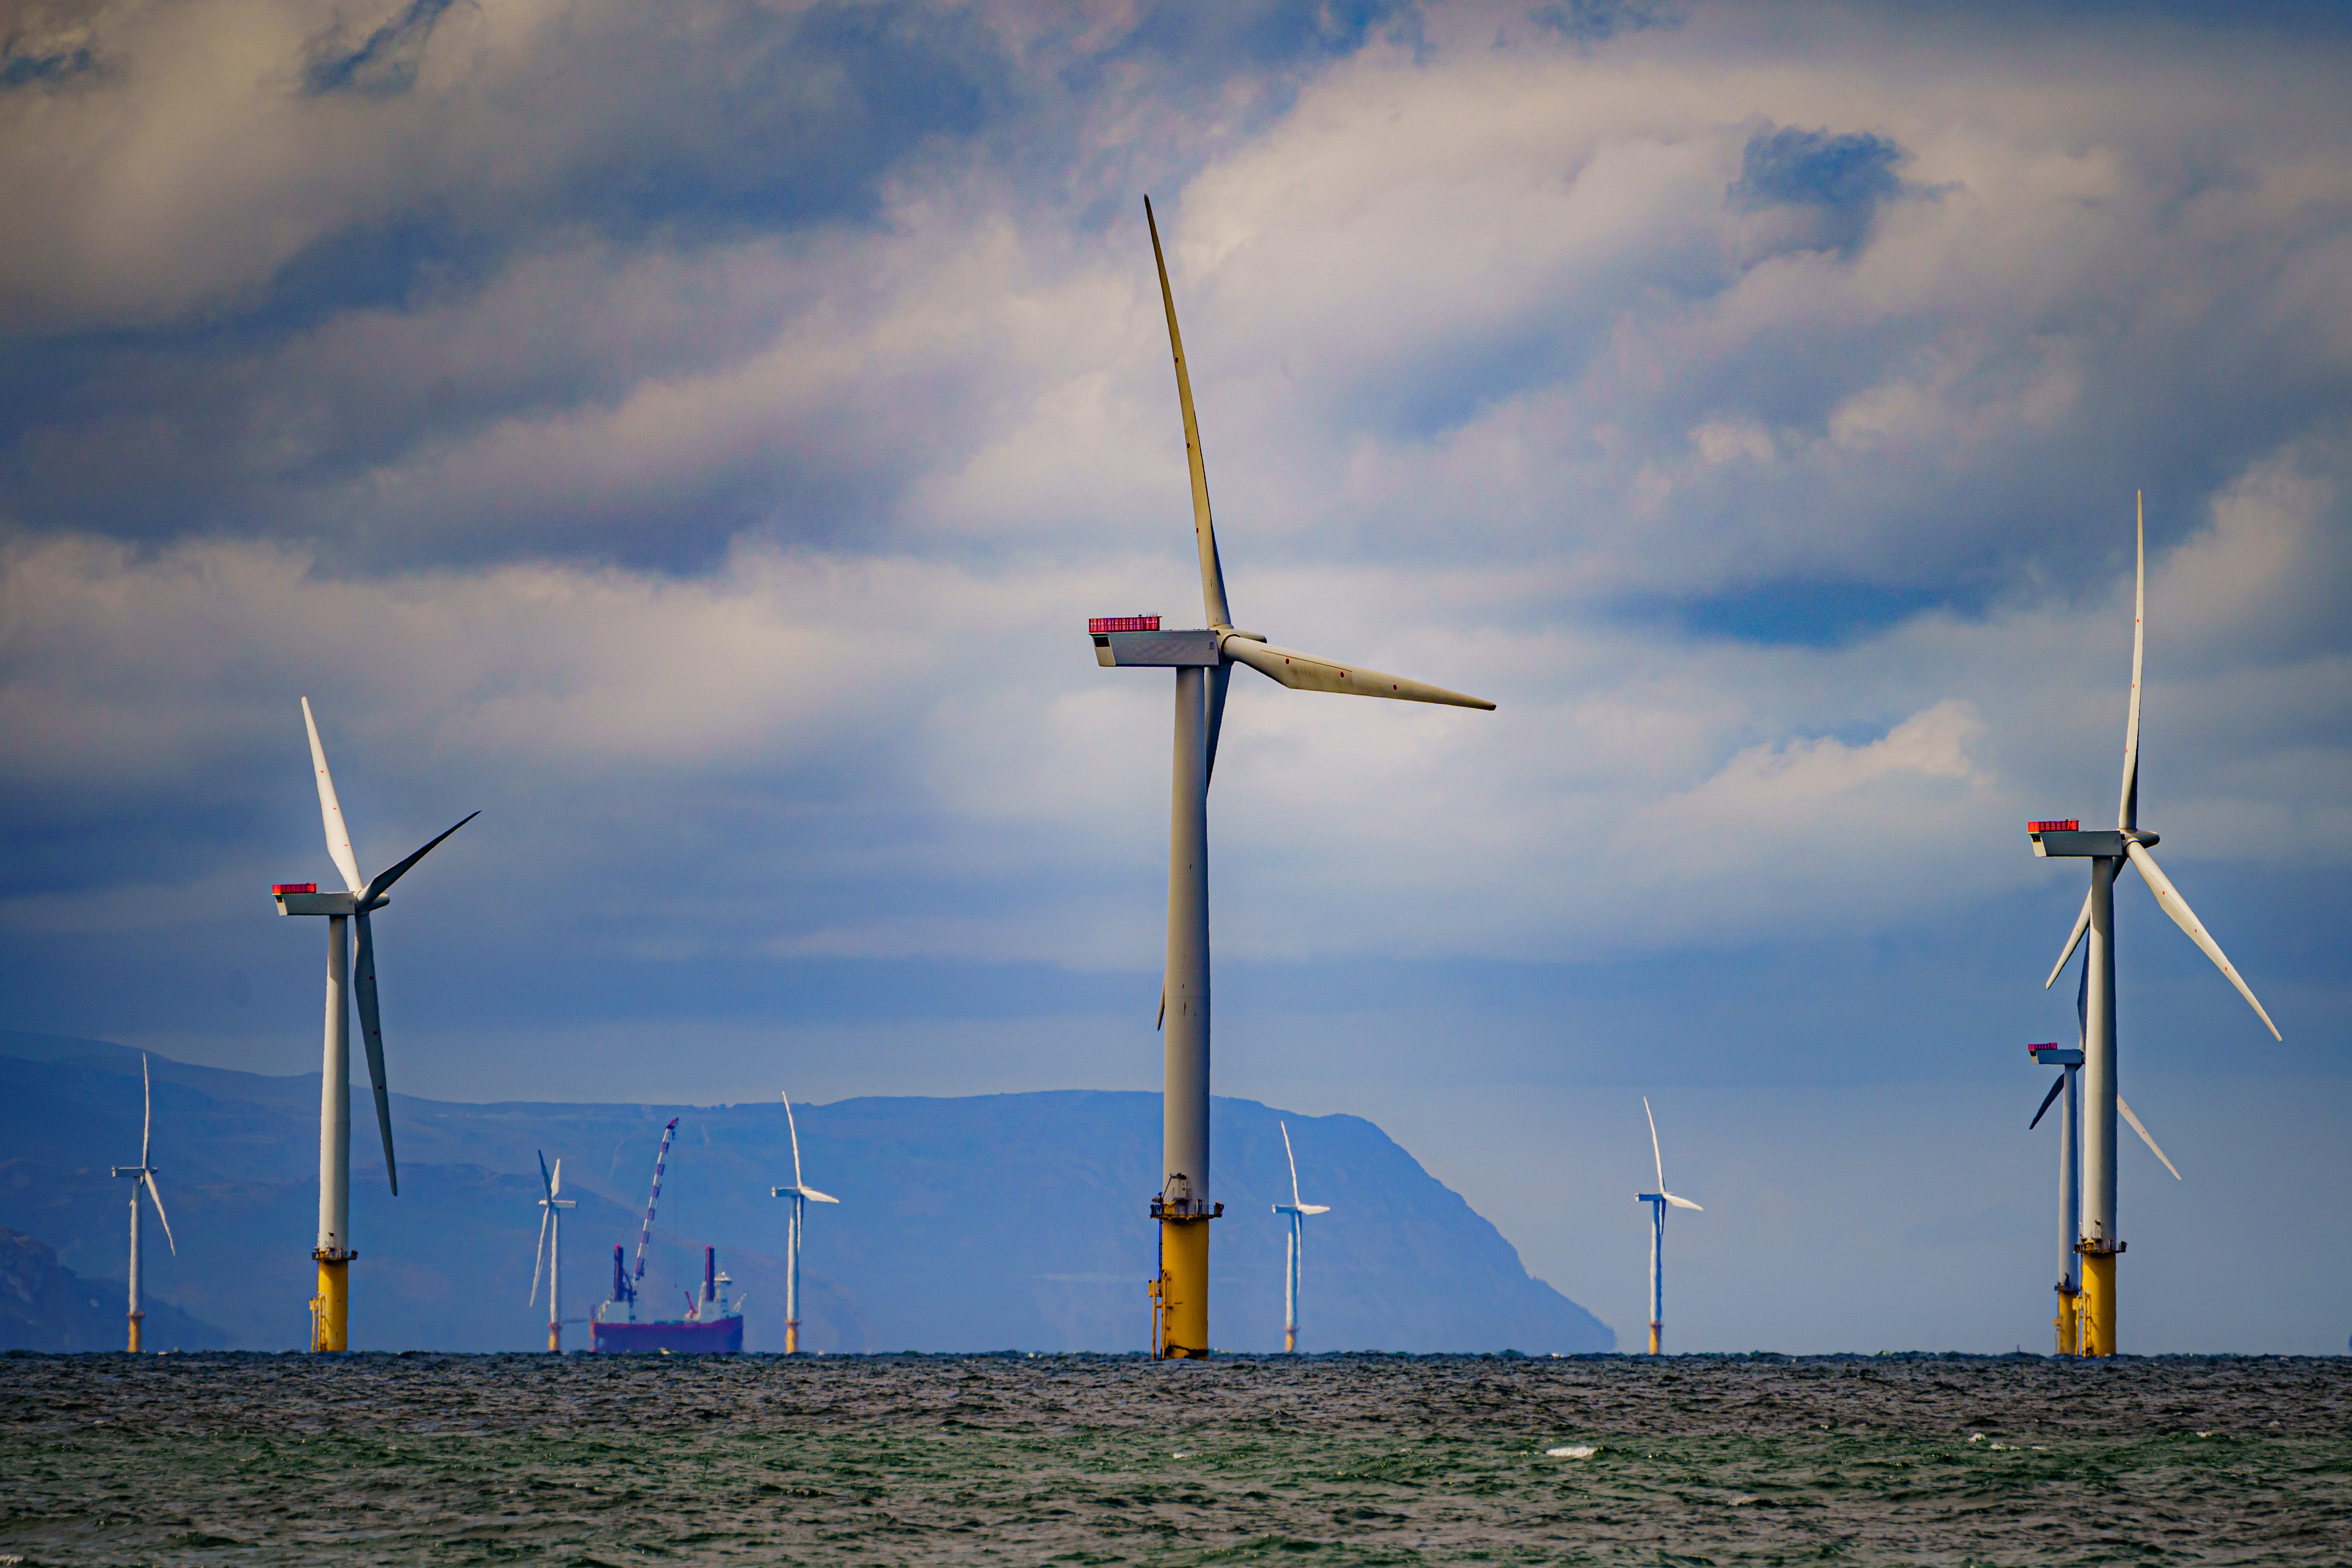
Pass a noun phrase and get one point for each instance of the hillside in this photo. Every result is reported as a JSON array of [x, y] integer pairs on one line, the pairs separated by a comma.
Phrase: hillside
[[44, 1306], [989, 1222]]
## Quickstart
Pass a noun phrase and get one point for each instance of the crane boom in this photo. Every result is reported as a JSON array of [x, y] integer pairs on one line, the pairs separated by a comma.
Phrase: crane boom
[[660, 1159]]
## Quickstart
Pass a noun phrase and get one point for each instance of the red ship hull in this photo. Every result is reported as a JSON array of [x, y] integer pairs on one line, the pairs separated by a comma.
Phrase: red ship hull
[[720, 1336]]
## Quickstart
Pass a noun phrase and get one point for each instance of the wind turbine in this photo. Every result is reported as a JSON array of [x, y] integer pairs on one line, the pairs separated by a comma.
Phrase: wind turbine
[[330, 1307], [802, 1194], [550, 1227], [142, 1179], [1658, 1202], [2069, 1321], [1298, 1211], [1203, 662], [2108, 852]]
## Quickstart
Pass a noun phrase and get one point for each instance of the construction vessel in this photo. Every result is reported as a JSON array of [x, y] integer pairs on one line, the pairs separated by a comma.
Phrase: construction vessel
[[709, 1326]]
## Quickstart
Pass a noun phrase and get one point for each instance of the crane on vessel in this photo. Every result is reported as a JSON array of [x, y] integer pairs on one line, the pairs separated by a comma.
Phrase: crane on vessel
[[625, 1286]]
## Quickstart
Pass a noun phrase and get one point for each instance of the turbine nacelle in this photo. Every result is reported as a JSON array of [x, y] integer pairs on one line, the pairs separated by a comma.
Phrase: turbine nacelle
[[304, 898], [2053, 841]]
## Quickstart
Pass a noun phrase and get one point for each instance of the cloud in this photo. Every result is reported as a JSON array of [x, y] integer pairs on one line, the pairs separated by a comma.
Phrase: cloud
[[384, 63], [694, 438], [1841, 180]]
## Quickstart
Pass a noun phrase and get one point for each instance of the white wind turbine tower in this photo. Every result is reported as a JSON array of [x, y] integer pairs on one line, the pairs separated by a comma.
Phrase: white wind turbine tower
[[1659, 1201], [550, 1228], [1297, 1213], [2109, 853], [331, 1306], [1203, 662], [2069, 1063], [143, 1180], [802, 1194]]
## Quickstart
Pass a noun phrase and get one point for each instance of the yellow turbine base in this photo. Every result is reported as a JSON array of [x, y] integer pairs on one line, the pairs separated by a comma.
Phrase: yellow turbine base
[[2069, 1324], [1654, 1337], [1184, 1287], [135, 1317], [331, 1307], [792, 1336], [2098, 1300], [555, 1339], [1289, 1342]]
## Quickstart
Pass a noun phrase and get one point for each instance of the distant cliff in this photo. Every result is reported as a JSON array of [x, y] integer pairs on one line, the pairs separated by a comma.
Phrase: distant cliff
[[984, 1223], [44, 1306]]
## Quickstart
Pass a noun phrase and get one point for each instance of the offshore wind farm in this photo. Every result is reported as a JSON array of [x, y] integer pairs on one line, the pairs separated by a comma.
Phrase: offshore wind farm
[[693, 435]]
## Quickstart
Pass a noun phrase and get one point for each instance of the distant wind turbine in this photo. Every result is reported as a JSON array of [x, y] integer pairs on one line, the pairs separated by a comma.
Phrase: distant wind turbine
[[802, 1194], [1297, 1213], [551, 1229], [329, 1308], [2109, 853], [1203, 662], [1658, 1202], [143, 1180]]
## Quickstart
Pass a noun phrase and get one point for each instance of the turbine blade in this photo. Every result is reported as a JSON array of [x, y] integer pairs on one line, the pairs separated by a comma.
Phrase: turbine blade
[[817, 1198], [384, 879], [330, 810], [546, 1182], [793, 1127], [1682, 1202], [147, 1096], [156, 1193], [1314, 1208], [1294, 1163], [557, 1188], [2168, 898], [2074, 939], [2047, 1100], [538, 1258], [1220, 677], [1205, 530], [2082, 1007], [2145, 1138], [1161, 1021], [2128, 808], [1305, 672], [371, 1032], [1655, 1155]]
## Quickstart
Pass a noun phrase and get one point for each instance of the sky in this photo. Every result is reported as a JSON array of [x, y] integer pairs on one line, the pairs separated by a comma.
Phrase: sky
[[695, 437]]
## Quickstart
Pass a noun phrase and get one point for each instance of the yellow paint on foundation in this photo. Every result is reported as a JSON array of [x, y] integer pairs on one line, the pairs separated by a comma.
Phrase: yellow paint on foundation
[[135, 1318], [2069, 1324], [1184, 1287], [1654, 1338], [2099, 1301], [330, 1308], [792, 1336]]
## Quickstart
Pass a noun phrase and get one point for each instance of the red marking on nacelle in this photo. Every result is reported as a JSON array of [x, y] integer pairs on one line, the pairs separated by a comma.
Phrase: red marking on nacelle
[[1101, 624], [278, 887], [2072, 824]]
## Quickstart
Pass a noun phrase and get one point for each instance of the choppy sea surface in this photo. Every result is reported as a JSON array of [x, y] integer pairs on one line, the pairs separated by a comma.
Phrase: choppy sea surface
[[1330, 1459]]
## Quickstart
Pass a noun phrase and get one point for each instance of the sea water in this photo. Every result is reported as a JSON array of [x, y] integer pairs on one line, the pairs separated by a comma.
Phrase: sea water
[[1105, 1459]]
